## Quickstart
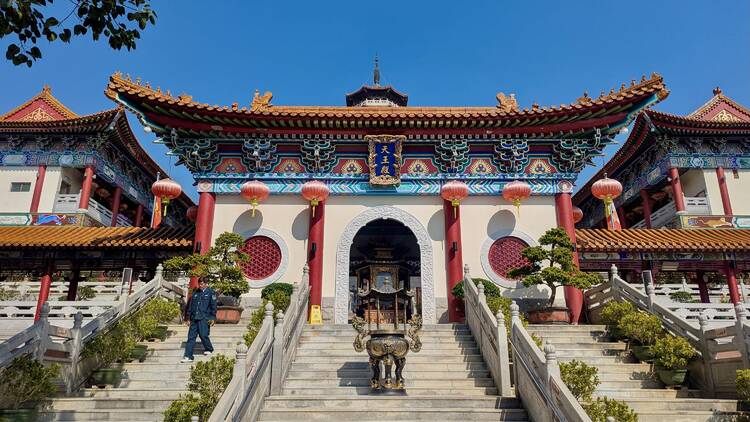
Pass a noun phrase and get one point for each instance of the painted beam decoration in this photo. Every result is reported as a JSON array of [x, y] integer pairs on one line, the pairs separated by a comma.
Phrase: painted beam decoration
[[384, 159]]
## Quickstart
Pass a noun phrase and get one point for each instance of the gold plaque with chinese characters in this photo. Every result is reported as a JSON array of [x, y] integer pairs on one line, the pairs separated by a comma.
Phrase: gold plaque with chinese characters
[[385, 159]]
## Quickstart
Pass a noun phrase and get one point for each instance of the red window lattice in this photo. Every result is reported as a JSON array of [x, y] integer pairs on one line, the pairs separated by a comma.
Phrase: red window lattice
[[505, 254], [265, 257]]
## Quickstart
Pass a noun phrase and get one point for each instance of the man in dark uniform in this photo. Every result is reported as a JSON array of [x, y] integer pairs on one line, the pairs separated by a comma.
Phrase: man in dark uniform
[[201, 315]]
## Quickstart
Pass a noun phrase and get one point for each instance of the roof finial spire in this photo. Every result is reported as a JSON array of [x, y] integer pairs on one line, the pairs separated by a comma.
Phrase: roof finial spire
[[717, 91], [376, 72]]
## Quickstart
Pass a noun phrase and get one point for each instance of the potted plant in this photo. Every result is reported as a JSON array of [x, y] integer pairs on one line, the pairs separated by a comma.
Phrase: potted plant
[[551, 264], [603, 407], [23, 383], [611, 315], [671, 356], [682, 296], [580, 378], [742, 383], [107, 349], [642, 329], [221, 265]]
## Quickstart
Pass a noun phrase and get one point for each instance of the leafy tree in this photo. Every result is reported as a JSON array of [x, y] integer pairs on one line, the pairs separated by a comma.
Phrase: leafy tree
[[220, 264], [29, 21], [556, 251]]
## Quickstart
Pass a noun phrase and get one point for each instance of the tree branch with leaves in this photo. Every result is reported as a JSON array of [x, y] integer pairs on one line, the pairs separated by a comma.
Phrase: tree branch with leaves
[[551, 264], [119, 21]]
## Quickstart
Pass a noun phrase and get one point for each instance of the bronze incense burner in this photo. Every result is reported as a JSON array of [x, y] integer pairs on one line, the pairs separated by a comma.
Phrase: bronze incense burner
[[390, 341]]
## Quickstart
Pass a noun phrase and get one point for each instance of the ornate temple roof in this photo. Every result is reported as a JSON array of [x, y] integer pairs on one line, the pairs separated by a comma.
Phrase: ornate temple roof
[[663, 240], [164, 112], [720, 116], [95, 237], [41, 108]]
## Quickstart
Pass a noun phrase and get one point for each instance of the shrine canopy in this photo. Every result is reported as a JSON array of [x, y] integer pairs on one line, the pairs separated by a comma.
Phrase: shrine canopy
[[714, 135]]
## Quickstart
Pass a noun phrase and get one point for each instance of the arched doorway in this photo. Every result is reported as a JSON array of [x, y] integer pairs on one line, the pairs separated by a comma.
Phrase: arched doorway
[[384, 252], [406, 227]]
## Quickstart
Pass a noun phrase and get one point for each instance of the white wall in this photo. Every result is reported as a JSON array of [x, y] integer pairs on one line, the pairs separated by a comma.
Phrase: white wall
[[694, 182], [21, 201], [739, 193], [287, 215]]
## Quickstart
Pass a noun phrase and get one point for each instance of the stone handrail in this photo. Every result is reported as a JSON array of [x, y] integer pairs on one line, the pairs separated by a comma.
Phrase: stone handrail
[[43, 337], [61, 287], [489, 332], [261, 369], [537, 378]]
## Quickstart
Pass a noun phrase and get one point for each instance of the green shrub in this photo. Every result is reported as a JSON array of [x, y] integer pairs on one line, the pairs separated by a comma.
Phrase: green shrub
[[612, 312], [681, 296], [280, 301], [580, 378], [490, 288], [743, 385], [602, 407], [85, 293], [672, 352], [164, 311], [274, 287], [107, 348], [207, 383], [187, 406], [26, 380], [642, 327], [8, 294]]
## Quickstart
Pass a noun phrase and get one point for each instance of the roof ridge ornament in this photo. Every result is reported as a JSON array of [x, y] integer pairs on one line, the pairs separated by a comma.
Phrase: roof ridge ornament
[[261, 102], [507, 104], [376, 72]]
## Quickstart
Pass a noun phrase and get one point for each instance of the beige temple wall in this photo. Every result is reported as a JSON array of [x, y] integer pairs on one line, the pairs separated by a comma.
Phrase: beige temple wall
[[739, 193], [287, 216], [21, 201], [694, 183]]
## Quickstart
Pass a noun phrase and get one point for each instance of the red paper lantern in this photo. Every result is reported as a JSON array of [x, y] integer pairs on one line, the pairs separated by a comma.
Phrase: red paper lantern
[[256, 192], [315, 191], [577, 214], [192, 214], [515, 192], [455, 192], [606, 189], [166, 189]]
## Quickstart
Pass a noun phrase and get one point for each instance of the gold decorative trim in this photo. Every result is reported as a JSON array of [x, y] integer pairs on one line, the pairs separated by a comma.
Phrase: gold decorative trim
[[373, 142]]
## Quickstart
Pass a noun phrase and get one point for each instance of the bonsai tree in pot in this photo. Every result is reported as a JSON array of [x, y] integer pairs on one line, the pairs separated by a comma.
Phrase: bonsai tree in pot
[[551, 264], [221, 264], [671, 356]]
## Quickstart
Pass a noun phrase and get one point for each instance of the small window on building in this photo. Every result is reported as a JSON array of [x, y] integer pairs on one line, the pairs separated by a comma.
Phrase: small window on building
[[20, 186]]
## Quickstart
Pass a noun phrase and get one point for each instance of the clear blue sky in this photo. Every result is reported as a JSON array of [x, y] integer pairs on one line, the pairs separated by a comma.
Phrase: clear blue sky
[[438, 52]]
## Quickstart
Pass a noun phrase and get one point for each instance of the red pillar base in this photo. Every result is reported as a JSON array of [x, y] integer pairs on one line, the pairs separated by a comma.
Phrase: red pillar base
[[574, 302], [703, 288], [734, 290]]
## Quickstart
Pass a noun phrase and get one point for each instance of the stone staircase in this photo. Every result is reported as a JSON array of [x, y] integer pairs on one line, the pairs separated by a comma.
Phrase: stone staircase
[[447, 381], [623, 379], [147, 388]]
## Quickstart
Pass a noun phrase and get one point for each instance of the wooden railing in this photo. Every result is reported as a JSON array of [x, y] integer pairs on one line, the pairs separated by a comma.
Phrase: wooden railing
[[260, 370], [720, 332], [47, 342], [537, 378], [489, 332]]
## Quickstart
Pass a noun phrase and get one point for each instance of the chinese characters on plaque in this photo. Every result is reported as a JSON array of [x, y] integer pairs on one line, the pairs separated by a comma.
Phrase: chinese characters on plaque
[[385, 159]]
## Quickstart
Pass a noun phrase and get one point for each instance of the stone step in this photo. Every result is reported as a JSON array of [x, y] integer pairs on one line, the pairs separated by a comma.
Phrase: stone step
[[425, 327], [179, 352], [590, 346], [350, 339], [225, 345], [682, 416], [343, 391], [454, 414], [410, 366], [363, 382], [365, 374], [351, 334], [564, 338], [534, 328], [105, 403], [584, 354], [381, 402], [446, 347], [597, 360], [101, 415], [177, 374], [351, 353], [132, 393], [150, 383], [645, 405], [615, 368], [410, 358], [637, 393], [608, 383]]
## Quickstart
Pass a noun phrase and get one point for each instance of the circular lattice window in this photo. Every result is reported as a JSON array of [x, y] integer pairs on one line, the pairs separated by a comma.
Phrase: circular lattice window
[[505, 255], [265, 257]]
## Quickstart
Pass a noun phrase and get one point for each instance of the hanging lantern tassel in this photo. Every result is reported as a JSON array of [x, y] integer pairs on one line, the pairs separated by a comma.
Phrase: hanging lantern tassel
[[455, 204], [165, 204], [314, 203], [607, 190], [517, 203], [253, 205]]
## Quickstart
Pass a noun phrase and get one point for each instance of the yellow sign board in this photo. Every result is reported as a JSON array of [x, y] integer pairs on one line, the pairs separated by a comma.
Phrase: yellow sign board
[[316, 317]]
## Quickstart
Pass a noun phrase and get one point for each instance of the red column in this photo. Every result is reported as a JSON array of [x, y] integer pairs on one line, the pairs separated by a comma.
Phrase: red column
[[734, 291], [37, 196], [138, 216], [703, 287], [88, 179], [725, 202], [453, 259], [679, 198], [573, 296], [646, 200], [621, 216], [116, 197], [46, 283], [204, 223], [315, 253]]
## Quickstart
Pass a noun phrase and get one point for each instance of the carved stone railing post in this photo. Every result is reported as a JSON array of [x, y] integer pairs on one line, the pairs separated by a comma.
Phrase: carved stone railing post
[[706, 353], [550, 356], [277, 353], [502, 350], [515, 318], [616, 294], [240, 365], [75, 353], [480, 287], [648, 280], [741, 314]]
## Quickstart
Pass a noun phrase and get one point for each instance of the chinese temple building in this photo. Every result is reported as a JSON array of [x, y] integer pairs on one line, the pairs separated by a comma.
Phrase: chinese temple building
[[687, 176], [60, 168], [330, 186]]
